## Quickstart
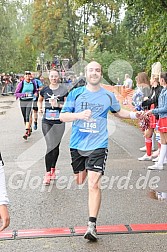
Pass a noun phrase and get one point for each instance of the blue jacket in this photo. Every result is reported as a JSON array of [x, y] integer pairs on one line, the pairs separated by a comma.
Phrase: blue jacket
[[162, 104]]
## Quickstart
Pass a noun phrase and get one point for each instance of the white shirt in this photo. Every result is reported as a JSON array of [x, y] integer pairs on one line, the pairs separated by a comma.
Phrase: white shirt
[[128, 83]]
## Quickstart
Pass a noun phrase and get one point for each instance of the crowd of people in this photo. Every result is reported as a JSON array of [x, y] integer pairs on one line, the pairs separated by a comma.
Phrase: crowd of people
[[150, 98], [87, 106], [8, 83]]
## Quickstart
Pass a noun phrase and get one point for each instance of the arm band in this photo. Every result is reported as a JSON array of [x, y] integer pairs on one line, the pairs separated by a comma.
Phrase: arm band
[[132, 115]]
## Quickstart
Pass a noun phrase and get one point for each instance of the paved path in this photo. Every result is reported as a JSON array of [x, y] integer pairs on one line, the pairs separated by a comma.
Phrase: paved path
[[124, 201], [6, 103]]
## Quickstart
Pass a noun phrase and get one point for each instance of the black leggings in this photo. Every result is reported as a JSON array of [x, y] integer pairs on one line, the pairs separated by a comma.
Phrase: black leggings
[[26, 107], [53, 135]]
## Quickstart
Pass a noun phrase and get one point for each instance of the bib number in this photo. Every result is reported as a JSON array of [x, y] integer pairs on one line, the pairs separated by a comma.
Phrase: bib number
[[91, 126], [52, 114]]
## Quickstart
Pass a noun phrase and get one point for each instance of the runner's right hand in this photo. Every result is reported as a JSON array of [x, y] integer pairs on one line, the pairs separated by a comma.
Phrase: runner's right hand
[[85, 115]]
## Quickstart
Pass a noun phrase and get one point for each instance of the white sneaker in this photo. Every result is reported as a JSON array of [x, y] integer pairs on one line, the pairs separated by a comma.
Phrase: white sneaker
[[156, 166], [165, 161], [91, 232], [143, 149], [155, 159], [145, 158]]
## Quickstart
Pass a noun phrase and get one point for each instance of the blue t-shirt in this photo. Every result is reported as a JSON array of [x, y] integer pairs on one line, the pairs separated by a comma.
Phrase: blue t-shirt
[[38, 82], [92, 134], [28, 87], [39, 85]]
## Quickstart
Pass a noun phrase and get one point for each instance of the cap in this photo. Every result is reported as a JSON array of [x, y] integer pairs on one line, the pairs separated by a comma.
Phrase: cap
[[27, 72]]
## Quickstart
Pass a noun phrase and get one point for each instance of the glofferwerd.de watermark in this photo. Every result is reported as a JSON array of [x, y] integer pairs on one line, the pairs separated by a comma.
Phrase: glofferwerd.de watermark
[[23, 180]]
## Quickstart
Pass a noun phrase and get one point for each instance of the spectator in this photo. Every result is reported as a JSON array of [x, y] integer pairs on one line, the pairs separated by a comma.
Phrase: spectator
[[127, 88]]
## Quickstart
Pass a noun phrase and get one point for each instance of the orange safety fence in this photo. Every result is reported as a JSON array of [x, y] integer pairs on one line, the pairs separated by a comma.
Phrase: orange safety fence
[[121, 94]]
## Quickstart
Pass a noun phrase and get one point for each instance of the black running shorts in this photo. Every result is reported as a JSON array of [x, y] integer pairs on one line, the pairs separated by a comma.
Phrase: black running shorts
[[35, 105], [94, 160]]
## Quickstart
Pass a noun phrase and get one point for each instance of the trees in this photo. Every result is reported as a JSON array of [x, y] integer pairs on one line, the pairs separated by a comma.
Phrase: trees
[[66, 28], [16, 54], [56, 27], [82, 29], [5, 40], [151, 25]]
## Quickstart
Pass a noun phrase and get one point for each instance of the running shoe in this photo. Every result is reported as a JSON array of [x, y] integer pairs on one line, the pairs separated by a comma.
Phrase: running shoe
[[91, 232], [35, 125], [156, 166], [25, 135], [145, 158], [29, 132], [52, 174], [46, 180]]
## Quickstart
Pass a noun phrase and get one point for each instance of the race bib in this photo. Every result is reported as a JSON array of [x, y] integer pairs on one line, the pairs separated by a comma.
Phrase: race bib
[[29, 97], [51, 114], [91, 126]]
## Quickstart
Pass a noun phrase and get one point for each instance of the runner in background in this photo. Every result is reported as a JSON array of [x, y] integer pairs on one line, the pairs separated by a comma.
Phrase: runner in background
[[35, 100], [53, 129], [25, 91]]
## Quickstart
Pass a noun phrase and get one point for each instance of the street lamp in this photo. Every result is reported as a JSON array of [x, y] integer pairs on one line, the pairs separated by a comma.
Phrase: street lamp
[[42, 60]]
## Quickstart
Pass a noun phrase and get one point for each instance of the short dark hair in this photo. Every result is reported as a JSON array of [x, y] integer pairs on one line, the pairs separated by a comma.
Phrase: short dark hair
[[54, 70], [164, 76]]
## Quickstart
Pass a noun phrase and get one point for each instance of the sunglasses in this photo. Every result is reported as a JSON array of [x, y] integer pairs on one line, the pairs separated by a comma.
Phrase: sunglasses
[[27, 73]]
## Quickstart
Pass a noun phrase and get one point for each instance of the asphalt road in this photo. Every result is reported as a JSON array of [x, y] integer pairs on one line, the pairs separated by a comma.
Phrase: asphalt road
[[125, 196]]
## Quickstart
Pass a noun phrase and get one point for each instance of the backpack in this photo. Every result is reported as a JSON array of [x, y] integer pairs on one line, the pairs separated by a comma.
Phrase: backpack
[[37, 82], [22, 84]]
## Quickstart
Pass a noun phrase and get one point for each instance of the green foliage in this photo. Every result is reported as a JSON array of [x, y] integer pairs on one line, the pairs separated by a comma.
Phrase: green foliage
[[156, 42], [147, 22], [15, 22], [56, 27], [83, 29], [107, 60], [5, 39]]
